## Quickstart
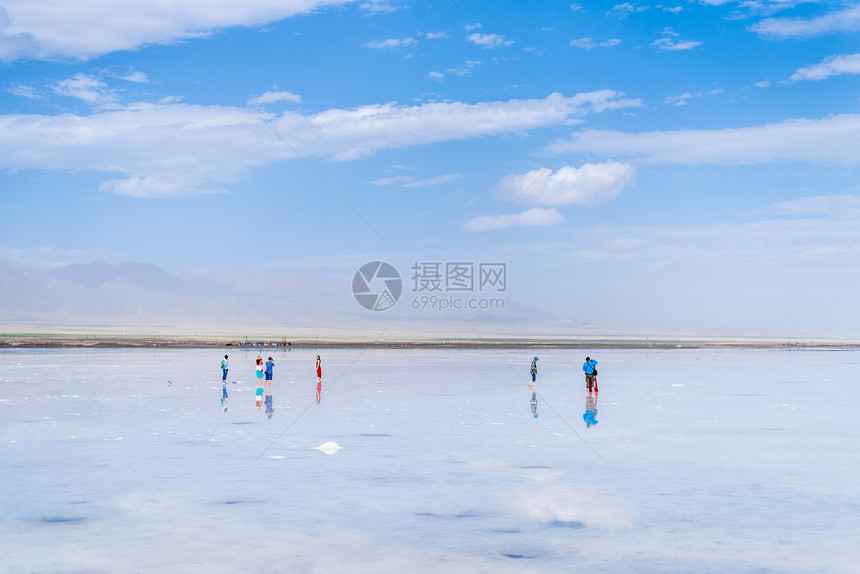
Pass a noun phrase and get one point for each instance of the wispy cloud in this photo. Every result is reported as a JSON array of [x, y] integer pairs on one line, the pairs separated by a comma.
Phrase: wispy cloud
[[464, 70], [625, 9], [586, 185], [272, 97], [129, 75], [844, 20], [410, 181], [488, 40], [670, 42], [684, 98], [52, 29], [381, 7], [86, 88], [179, 149], [832, 66], [535, 217], [837, 206], [589, 43], [392, 43], [833, 140], [24, 91]]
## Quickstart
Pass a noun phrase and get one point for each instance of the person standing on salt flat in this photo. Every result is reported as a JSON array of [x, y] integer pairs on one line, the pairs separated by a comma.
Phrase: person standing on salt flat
[[533, 373], [319, 378], [270, 367], [588, 368], [224, 366]]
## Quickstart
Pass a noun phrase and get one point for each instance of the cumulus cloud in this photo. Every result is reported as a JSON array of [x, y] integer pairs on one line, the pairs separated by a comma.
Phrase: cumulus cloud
[[589, 184], [535, 217], [832, 66], [488, 40], [845, 20], [272, 97], [51, 29], [180, 149], [834, 141]]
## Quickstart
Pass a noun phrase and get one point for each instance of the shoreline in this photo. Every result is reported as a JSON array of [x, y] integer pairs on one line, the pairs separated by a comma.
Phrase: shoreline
[[73, 341]]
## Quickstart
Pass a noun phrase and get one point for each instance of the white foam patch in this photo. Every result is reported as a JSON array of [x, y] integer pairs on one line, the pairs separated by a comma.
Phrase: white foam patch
[[329, 447]]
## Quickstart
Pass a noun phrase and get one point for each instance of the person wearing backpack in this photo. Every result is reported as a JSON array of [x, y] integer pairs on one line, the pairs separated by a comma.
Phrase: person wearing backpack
[[590, 374]]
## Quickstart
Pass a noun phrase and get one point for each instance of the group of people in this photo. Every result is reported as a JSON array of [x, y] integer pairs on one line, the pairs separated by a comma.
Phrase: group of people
[[589, 367], [264, 372]]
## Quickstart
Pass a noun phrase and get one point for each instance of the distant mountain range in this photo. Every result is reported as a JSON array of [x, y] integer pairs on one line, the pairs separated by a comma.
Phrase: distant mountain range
[[140, 297]]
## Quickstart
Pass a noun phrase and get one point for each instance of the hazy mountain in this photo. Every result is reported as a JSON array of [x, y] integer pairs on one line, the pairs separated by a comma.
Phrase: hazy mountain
[[144, 297]]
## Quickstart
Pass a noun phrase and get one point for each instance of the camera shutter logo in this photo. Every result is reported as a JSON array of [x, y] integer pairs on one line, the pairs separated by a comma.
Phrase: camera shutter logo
[[377, 286]]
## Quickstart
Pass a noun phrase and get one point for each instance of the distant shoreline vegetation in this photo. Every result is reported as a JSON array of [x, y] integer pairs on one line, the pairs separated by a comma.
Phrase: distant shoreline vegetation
[[22, 341]]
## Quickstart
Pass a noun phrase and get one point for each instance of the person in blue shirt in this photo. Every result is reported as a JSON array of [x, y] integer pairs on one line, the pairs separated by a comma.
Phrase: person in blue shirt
[[224, 366], [533, 373], [270, 369], [590, 373]]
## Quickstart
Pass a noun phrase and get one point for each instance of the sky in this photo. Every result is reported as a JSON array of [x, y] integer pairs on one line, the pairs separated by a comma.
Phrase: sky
[[688, 164]]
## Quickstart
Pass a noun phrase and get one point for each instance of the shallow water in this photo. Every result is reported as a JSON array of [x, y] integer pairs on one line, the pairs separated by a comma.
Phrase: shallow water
[[702, 461]]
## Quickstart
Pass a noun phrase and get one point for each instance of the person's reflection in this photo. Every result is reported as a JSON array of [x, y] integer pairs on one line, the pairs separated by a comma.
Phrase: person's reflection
[[534, 404], [590, 409], [268, 400]]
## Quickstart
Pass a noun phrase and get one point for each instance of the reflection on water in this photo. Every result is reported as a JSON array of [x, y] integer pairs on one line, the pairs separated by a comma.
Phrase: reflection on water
[[590, 414]]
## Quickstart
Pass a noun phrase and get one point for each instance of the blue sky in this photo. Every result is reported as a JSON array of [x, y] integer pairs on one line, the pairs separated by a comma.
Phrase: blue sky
[[690, 164]]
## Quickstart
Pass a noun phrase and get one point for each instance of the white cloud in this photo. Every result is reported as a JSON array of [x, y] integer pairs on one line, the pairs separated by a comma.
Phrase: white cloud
[[670, 42], [475, 26], [845, 20], [625, 9], [51, 29], [587, 185], [410, 181], [588, 43], [377, 7], [834, 141], [24, 91], [832, 66], [683, 99], [130, 75], [436, 76], [272, 97], [87, 88], [535, 217], [181, 149], [762, 84], [833, 206], [488, 40], [392, 43], [436, 35]]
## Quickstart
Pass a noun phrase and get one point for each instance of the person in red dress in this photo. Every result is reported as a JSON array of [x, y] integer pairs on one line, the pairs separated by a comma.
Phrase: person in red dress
[[319, 378]]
